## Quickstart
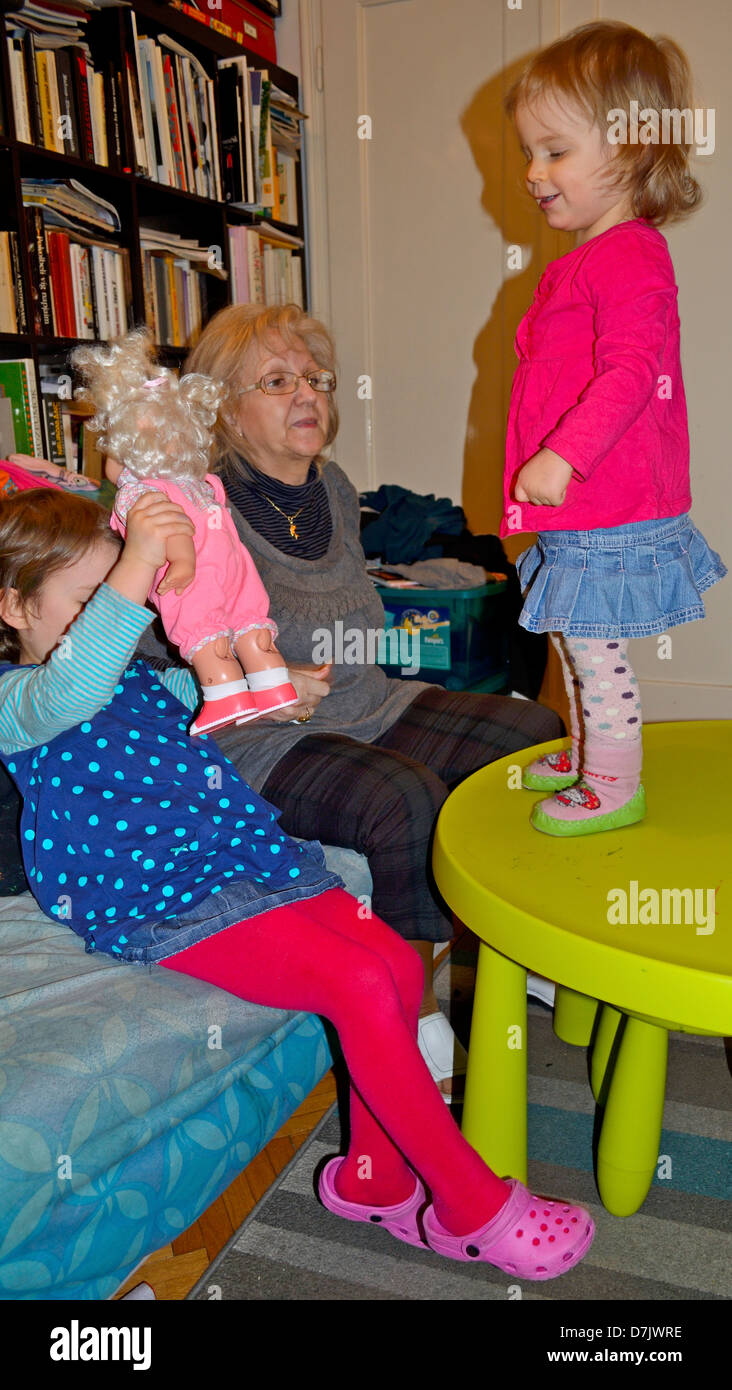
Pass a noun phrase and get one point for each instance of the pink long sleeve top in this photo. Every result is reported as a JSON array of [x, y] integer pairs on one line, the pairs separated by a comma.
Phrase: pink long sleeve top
[[599, 382]]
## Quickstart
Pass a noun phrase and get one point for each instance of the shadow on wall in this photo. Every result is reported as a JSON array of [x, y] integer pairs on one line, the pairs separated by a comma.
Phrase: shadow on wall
[[495, 150]]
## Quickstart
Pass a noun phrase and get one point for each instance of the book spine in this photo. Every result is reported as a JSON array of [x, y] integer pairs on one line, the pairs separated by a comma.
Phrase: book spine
[[90, 96], [116, 314], [8, 312], [67, 104], [35, 410], [86, 135], [101, 112], [115, 128], [44, 322], [53, 89], [19, 88], [44, 92], [175, 132], [34, 97], [56, 286], [183, 122], [14, 384], [98, 279], [17, 273], [53, 430]]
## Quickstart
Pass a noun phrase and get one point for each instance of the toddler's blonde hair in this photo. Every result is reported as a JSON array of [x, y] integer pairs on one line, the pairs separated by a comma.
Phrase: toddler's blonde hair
[[605, 66]]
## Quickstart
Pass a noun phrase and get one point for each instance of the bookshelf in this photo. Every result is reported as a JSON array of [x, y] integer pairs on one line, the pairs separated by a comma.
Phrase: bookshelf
[[132, 281]]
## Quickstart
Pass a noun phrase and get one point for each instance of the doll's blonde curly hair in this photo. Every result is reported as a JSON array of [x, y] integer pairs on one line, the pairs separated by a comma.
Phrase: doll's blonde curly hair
[[148, 419]]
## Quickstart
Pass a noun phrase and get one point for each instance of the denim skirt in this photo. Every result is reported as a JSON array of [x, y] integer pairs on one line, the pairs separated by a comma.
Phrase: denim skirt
[[621, 581]]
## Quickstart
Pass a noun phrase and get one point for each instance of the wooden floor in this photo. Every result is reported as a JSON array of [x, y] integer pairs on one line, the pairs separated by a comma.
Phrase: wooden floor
[[172, 1271]]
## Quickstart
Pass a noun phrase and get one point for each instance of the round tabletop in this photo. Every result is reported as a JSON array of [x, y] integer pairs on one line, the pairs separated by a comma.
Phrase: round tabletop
[[637, 917]]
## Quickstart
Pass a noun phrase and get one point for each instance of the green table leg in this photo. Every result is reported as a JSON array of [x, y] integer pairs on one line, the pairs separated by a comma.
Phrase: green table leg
[[603, 1046], [494, 1113], [631, 1128], [574, 1016]]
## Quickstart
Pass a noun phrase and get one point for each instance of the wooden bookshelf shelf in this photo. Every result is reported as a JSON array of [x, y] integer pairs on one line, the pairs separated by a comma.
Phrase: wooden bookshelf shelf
[[64, 270]]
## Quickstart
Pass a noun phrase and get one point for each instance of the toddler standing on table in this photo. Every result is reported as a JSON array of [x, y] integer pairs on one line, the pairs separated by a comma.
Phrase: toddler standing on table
[[597, 457]]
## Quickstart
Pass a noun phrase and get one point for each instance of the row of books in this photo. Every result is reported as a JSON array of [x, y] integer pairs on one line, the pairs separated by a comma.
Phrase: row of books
[[176, 273], [260, 137], [13, 316], [264, 269], [80, 281], [60, 96], [173, 116], [46, 425]]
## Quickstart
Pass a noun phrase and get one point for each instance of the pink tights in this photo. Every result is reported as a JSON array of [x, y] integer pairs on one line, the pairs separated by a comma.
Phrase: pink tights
[[320, 956]]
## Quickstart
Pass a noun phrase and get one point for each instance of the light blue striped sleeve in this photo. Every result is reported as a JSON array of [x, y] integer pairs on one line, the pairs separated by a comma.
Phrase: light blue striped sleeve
[[181, 684], [79, 677]]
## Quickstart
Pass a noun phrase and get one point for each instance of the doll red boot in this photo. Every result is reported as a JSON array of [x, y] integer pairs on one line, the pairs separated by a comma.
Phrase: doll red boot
[[237, 707]]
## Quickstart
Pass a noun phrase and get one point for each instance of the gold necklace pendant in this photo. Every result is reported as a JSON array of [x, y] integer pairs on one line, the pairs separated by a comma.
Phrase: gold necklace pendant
[[291, 519]]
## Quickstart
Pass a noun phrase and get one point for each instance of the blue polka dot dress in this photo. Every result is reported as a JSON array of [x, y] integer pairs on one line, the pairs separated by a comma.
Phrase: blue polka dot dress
[[129, 826]]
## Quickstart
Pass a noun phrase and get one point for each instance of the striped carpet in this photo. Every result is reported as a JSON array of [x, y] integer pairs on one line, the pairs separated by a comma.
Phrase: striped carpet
[[678, 1247]]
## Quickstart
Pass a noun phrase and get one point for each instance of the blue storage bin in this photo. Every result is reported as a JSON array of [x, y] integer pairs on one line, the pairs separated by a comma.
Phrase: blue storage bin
[[452, 637]]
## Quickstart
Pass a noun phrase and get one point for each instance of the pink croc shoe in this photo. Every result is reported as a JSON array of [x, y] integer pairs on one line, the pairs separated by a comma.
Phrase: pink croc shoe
[[400, 1220], [530, 1237]]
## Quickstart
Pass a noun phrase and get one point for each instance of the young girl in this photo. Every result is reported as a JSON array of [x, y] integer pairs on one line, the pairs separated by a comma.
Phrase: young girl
[[150, 846], [597, 458]]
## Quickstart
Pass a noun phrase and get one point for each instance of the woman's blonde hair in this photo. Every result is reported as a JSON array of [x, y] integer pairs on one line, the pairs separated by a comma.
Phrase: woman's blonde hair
[[603, 67], [223, 349], [148, 419], [42, 531]]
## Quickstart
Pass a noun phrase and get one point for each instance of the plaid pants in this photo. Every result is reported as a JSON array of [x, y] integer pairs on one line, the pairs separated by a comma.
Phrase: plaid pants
[[382, 798]]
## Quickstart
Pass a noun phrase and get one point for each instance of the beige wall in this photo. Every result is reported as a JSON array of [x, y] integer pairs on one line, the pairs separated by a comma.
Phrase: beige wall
[[410, 267]]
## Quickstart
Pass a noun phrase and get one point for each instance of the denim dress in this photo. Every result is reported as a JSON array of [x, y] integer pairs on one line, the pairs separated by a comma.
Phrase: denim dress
[[619, 581], [145, 840]]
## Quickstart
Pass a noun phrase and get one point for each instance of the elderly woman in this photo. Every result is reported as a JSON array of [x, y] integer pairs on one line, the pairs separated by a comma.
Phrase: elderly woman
[[361, 761]]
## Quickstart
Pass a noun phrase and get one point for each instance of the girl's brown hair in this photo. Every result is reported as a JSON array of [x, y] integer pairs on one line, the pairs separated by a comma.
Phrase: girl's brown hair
[[222, 351], [43, 531], [603, 67]]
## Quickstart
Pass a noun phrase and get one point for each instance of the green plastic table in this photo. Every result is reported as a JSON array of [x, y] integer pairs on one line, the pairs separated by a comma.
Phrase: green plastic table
[[556, 906]]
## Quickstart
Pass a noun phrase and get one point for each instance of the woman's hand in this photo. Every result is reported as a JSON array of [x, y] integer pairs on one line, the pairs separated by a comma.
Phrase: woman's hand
[[312, 684], [151, 524], [544, 480]]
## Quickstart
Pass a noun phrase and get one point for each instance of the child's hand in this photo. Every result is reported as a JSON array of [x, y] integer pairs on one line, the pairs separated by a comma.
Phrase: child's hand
[[544, 480], [152, 524]]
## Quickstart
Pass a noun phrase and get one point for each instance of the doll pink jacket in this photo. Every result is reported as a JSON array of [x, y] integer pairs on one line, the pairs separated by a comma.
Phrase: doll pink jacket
[[599, 382], [227, 597]]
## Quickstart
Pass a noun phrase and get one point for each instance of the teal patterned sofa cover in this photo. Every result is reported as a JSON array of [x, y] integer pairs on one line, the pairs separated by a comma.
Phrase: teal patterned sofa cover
[[130, 1097]]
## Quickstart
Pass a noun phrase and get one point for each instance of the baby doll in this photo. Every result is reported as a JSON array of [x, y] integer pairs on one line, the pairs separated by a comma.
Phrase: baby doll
[[210, 597]]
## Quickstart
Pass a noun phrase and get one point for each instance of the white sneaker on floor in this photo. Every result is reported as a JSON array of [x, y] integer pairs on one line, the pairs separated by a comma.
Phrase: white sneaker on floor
[[538, 987], [442, 1050]]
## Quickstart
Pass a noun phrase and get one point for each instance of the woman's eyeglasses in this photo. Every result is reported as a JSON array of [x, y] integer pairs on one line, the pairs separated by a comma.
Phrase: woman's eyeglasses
[[285, 383]]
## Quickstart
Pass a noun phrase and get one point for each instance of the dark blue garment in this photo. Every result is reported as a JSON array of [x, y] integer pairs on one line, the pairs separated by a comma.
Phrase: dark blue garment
[[408, 519], [129, 824]]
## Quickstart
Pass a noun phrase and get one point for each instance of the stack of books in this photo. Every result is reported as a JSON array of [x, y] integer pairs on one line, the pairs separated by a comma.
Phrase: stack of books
[[175, 270], [266, 267], [80, 283], [173, 115], [60, 95]]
